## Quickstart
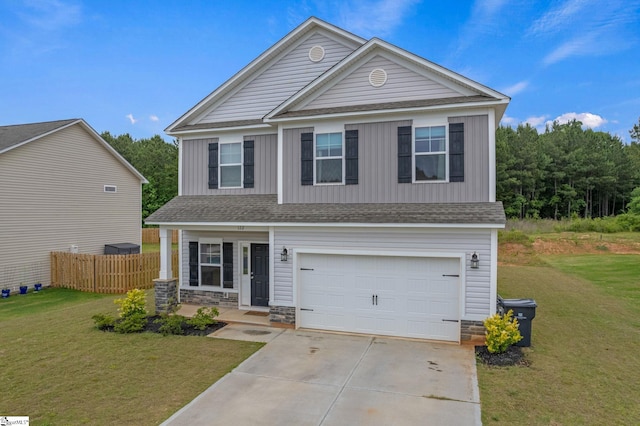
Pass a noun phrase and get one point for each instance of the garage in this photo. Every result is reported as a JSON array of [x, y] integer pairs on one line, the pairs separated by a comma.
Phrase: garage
[[415, 297]]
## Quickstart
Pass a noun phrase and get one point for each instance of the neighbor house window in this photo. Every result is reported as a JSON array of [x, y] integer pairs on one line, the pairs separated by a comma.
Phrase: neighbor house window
[[231, 165], [210, 256], [430, 154], [328, 158]]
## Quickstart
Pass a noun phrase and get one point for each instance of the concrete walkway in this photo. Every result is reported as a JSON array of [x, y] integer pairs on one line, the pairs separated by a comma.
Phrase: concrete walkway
[[314, 378]]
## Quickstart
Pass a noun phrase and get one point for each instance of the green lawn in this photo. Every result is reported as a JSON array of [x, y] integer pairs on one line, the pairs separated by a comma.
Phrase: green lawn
[[585, 367], [59, 370]]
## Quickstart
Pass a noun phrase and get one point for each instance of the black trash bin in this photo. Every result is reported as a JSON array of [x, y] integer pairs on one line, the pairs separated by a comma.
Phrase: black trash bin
[[524, 310]]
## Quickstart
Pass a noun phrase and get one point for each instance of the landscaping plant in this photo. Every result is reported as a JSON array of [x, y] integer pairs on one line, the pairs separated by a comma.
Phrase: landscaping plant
[[203, 318], [501, 332]]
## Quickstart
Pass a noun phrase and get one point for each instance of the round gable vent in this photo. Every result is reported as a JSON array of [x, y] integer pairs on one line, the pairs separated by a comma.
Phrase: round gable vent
[[316, 53], [377, 77]]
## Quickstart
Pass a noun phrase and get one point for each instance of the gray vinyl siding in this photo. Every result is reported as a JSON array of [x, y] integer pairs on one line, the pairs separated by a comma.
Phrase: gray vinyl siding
[[476, 288], [195, 167], [283, 78], [52, 196], [402, 84], [378, 164], [227, 237]]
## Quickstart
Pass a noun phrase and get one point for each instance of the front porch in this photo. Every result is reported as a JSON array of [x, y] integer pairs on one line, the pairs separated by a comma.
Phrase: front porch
[[231, 315]]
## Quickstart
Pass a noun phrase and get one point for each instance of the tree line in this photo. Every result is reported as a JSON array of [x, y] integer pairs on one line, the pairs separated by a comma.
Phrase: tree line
[[565, 172]]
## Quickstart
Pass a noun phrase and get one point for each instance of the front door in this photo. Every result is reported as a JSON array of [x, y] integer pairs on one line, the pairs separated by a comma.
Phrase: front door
[[259, 274]]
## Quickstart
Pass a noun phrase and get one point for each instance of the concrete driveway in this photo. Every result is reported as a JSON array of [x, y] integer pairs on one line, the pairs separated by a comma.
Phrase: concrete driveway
[[315, 378]]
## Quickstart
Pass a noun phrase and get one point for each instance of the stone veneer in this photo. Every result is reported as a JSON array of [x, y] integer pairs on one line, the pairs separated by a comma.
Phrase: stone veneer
[[282, 315], [209, 298], [472, 332], [166, 294]]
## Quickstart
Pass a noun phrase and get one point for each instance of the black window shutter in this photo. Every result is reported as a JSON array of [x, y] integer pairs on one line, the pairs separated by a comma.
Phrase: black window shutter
[[213, 165], [248, 164], [227, 265], [456, 152], [193, 263], [351, 157], [404, 154], [306, 159]]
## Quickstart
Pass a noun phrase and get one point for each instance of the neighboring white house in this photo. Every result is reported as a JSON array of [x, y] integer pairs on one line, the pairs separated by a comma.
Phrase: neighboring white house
[[62, 188], [341, 184]]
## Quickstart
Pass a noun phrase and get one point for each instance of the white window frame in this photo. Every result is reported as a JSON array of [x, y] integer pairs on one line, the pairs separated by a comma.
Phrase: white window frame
[[217, 241], [316, 158], [420, 125], [241, 164]]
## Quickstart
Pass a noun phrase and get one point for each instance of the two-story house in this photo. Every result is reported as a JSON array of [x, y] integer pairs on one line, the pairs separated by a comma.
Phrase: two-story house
[[340, 184]]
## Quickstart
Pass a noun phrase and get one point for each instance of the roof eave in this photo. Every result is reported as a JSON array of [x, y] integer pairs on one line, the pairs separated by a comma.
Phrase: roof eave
[[487, 225], [182, 133]]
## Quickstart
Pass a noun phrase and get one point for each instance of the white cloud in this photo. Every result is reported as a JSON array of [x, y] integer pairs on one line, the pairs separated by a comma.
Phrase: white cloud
[[378, 18], [586, 118], [508, 121], [581, 45], [536, 122], [485, 18], [556, 19], [515, 88], [131, 119], [153, 117], [51, 14]]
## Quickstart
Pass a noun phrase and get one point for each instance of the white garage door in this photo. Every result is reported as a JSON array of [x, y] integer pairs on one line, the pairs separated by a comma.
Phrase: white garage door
[[394, 296]]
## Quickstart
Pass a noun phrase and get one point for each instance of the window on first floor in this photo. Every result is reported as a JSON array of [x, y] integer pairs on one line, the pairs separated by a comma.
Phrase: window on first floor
[[211, 264], [430, 154]]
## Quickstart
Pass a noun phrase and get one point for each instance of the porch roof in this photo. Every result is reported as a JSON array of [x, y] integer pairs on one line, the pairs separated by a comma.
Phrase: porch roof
[[264, 209]]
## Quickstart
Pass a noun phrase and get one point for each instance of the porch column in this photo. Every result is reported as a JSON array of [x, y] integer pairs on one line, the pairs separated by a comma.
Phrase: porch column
[[165, 254]]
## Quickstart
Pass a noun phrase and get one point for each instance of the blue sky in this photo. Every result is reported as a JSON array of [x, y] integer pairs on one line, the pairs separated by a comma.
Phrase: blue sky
[[136, 66]]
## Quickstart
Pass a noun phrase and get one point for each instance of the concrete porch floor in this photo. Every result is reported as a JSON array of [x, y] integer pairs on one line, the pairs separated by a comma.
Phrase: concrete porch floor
[[230, 315]]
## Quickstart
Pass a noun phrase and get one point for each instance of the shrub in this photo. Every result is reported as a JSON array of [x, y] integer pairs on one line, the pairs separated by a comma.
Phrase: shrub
[[501, 332], [134, 304], [170, 324], [203, 318], [103, 321], [131, 323]]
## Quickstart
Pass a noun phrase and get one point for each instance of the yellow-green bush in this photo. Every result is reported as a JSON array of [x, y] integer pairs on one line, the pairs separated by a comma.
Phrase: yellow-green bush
[[501, 332], [133, 304]]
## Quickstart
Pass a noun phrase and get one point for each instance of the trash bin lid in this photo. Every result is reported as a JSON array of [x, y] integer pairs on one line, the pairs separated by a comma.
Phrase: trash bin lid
[[519, 303]]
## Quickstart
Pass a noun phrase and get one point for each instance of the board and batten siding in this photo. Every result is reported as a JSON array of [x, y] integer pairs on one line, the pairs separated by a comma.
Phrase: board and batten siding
[[282, 79], [195, 167], [402, 84], [476, 289], [52, 196], [227, 237], [378, 169]]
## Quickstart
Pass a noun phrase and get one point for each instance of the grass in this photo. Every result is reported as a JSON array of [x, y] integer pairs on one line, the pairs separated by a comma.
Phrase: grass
[[58, 369], [155, 247], [585, 340]]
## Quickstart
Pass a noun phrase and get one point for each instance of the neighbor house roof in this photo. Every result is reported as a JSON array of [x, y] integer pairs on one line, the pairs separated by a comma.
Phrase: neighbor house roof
[[264, 209], [14, 136]]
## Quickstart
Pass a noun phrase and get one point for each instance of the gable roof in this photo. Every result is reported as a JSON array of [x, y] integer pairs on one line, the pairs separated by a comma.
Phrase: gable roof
[[243, 76], [470, 92], [255, 210], [14, 136]]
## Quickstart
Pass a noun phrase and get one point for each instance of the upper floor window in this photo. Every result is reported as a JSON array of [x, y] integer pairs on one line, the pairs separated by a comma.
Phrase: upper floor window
[[231, 165], [430, 154], [329, 158]]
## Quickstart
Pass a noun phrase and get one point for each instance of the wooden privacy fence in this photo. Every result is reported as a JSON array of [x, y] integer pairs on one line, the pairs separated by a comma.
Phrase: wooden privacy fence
[[107, 273], [152, 236]]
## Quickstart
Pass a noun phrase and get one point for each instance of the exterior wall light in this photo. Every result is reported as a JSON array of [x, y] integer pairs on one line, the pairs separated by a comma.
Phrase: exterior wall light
[[284, 254], [475, 262]]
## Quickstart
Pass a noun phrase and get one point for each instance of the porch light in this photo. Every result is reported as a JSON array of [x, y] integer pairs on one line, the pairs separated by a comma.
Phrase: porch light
[[284, 254], [475, 262]]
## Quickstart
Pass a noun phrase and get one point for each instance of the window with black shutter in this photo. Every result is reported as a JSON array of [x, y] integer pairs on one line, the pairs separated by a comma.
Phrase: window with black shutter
[[456, 152], [193, 263], [227, 265], [404, 154], [248, 164], [306, 159], [351, 157], [213, 165]]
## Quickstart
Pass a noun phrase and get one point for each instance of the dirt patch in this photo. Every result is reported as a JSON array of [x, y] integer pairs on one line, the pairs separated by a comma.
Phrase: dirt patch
[[513, 356]]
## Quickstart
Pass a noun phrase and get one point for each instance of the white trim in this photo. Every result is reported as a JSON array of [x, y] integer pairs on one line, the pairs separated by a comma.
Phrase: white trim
[[180, 157], [272, 264], [259, 226], [492, 156], [493, 278], [279, 165]]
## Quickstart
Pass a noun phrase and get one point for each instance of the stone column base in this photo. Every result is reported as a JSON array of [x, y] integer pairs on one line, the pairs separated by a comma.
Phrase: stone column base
[[166, 292]]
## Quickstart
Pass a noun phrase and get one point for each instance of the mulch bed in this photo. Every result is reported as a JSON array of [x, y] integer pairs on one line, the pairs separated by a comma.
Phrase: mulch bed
[[513, 356], [187, 329]]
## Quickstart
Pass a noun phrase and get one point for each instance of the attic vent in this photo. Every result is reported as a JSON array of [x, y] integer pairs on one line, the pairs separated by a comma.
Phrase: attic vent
[[316, 53], [377, 77], [110, 188]]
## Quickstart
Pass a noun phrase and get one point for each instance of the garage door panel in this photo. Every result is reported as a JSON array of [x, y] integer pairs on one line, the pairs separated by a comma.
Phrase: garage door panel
[[412, 299]]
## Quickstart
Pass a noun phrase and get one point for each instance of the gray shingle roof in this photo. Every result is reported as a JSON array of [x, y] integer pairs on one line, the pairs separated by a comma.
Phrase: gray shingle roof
[[219, 125], [16, 134], [265, 209]]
